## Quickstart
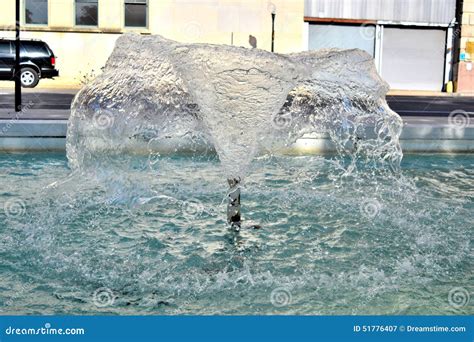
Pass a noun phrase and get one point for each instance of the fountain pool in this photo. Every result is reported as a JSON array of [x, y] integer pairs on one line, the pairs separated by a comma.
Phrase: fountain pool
[[122, 227], [154, 240]]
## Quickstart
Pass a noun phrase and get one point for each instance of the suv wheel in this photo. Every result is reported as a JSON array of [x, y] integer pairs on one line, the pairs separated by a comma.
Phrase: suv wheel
[[29, 78]]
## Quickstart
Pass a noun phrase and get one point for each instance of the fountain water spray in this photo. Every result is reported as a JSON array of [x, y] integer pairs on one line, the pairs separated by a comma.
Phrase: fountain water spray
[[154, 94]]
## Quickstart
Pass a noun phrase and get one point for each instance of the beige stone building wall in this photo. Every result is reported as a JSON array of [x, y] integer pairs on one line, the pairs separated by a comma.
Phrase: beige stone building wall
[[465, 81], [83, 51]]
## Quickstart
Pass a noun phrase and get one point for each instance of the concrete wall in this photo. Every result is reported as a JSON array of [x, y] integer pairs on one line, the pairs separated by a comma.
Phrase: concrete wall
[[418, 136], [83, 51]]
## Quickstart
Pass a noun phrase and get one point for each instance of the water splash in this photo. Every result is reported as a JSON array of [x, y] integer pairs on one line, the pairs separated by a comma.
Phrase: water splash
[[159, 95]]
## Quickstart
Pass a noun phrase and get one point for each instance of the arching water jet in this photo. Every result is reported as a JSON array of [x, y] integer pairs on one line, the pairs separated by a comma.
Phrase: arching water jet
[[237, 100]]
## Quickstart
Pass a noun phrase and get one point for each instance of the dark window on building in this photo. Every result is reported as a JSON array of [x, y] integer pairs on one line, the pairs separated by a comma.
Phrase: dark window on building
[[136, 13], [36, 12], [87, 12]]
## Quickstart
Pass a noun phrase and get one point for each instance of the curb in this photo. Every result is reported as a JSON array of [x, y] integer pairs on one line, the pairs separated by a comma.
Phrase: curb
[[424, 137]]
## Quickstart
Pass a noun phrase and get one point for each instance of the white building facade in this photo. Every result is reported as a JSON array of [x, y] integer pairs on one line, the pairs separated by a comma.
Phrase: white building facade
[[410, 40]]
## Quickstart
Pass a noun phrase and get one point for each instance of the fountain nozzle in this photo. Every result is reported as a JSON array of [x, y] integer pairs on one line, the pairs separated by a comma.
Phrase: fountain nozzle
[[233, 203]]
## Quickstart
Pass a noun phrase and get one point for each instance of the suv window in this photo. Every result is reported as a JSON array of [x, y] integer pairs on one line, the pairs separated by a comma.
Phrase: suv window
[[34, 49], [5, 48]]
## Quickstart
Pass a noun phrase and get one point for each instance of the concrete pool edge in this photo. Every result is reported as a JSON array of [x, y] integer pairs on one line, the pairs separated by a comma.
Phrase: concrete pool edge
[[420, 135]]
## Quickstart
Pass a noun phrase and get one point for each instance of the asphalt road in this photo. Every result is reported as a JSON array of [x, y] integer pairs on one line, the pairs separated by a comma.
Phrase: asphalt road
[[430, 105], [38, 100], [46, 104]]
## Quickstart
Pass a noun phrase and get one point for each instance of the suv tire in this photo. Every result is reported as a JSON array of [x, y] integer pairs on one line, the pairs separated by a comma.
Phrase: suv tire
[[29, 78]]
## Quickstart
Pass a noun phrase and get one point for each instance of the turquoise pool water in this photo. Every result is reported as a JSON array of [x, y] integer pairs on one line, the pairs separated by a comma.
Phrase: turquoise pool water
[[155, 241]]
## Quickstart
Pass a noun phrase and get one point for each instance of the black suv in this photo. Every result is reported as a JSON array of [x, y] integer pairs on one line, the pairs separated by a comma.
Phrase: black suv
[[37, 61]]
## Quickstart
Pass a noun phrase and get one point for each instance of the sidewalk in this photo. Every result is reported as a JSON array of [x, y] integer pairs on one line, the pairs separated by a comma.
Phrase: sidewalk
[[10, 90], [58, 87]]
